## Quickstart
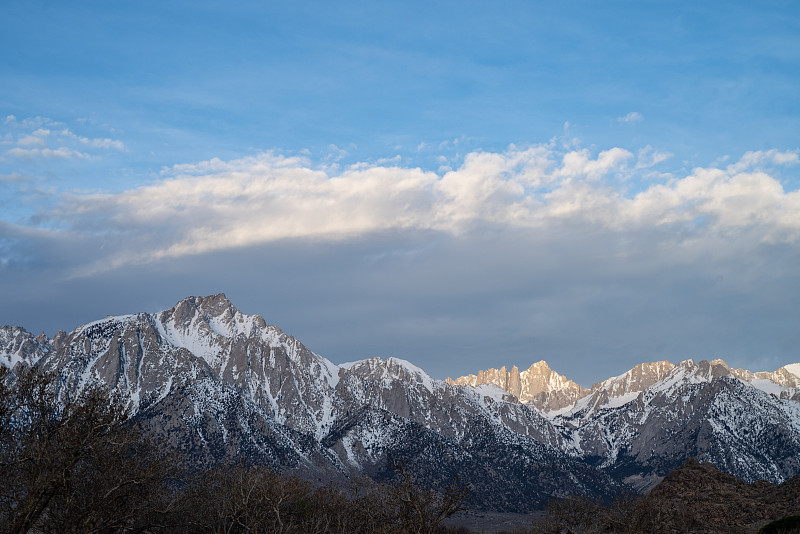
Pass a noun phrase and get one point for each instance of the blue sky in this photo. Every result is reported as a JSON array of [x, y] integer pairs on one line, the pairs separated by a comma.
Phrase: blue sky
[[461, 184]]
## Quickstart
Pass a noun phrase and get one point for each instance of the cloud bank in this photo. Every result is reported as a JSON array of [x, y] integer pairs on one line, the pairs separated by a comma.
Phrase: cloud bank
[[217, 205]]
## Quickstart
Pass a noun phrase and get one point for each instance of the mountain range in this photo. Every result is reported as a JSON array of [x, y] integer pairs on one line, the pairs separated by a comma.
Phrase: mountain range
[[222, 385]]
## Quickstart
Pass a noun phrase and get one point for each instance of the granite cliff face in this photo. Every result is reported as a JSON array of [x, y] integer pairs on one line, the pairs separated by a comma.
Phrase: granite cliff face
[[538, 386], [222, 385]]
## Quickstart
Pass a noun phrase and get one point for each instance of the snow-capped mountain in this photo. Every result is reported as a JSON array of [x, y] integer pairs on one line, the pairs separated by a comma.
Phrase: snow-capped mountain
[[554, 394], [645, 422], [697, 410], [221, 384], [18, 345]]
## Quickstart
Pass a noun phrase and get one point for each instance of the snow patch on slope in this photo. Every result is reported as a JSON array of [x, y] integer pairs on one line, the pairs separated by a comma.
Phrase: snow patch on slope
[[121, 319], [793, 368], [412, 369], [622, 400], [493, 391], [768, 386]]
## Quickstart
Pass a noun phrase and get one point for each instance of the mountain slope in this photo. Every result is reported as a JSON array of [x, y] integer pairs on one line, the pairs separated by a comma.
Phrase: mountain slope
[[644, 423]]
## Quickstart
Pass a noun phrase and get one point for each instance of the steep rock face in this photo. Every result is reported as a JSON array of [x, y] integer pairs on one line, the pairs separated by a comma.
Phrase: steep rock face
[[538, 385]]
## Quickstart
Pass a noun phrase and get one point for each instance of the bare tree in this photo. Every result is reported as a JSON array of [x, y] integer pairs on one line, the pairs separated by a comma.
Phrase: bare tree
[[421, 510], [74, 464], [244, 498]]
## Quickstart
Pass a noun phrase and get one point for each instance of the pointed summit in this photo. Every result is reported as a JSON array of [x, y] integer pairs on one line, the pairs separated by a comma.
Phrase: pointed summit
[[213, 305]]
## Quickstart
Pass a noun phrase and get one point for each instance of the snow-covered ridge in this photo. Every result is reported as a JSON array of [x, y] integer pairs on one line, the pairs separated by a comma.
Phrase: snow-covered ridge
[[108, 321], [17, 345], [392, 369]]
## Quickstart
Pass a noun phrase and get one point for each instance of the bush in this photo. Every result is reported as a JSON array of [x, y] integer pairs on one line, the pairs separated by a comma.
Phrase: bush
[[787, 525]]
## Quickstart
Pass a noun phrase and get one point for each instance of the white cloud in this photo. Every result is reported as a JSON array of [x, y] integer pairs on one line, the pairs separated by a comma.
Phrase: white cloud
[[563, 251], [760, 158], [44, 139], [217, 205], [633, 116], [649, 157], [31, 140], [46, 153], [93, 142], [578, 163]]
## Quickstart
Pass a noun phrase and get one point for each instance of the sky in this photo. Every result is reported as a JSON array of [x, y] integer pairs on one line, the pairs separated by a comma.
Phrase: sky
[[463, 185]]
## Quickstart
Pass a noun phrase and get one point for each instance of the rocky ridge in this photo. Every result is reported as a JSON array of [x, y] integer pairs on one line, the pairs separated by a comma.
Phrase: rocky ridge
[[538, 385], [554, 394]]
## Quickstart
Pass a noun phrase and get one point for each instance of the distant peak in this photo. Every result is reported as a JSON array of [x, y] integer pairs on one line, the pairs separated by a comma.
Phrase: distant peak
[[213, 305]]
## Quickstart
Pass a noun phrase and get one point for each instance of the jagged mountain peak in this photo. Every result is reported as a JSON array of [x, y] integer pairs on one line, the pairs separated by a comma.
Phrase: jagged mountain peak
[[17, 345], [211, 309], [216, 306], [198, 322], [555, 395], [538, 385], [636, 379]]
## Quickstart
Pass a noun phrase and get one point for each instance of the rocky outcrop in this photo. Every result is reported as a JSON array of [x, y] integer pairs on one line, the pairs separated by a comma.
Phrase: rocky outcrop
[[698, 497], [17, 345]]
